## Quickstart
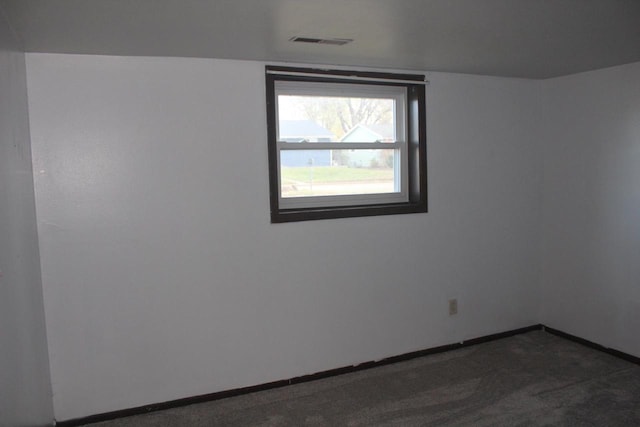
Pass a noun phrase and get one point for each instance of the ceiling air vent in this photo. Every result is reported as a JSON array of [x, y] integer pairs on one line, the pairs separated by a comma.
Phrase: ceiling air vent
[[335, 42]]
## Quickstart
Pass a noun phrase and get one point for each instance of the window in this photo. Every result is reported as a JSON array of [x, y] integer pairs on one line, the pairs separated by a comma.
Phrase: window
[[345, 144]]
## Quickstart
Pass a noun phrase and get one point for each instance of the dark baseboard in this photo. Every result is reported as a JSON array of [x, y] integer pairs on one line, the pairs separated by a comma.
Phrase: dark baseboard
[[338, 371], [611, 351], [297, 380]]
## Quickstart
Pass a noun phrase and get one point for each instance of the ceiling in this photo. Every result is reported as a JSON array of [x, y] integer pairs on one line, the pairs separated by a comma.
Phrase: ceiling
[[515, 38]]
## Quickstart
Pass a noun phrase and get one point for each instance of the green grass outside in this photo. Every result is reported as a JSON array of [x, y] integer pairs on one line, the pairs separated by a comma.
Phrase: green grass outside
[[334, 174]]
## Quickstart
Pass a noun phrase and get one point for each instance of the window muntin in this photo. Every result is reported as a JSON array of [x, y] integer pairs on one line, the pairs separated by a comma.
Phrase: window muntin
[[323, 166]]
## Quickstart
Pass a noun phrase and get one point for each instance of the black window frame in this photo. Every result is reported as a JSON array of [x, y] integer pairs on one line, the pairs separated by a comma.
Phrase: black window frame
[[416, 143]]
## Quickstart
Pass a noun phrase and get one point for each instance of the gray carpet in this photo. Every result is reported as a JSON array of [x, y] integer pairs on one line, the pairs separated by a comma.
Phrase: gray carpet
[[533, 379]]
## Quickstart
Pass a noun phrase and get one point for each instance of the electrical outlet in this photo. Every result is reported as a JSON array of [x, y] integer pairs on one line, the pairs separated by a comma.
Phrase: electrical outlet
[[453, 307]]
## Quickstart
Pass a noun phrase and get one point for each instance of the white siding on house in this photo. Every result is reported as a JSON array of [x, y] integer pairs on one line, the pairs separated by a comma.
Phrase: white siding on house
[[364, 158]]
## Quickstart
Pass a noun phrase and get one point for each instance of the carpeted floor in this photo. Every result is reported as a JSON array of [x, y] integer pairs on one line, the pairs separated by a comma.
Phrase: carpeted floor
[[533, 379]]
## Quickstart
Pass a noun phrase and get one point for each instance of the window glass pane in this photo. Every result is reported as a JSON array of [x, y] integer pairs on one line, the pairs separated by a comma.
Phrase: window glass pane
[[338, 172], [332, 119]]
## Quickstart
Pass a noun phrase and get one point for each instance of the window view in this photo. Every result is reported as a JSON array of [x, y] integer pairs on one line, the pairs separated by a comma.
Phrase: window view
[[341, 145], [330, 172], [314, 173]]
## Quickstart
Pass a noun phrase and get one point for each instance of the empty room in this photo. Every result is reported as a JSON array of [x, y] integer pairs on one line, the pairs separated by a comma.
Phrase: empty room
[[319, 213]]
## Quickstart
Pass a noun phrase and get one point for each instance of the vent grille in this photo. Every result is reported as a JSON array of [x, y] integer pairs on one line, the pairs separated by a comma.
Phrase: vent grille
[[314, 40]]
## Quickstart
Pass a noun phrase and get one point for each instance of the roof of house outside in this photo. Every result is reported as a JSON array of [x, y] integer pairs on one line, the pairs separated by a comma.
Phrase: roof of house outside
[[384, 130], [378, 131], [303, 129]]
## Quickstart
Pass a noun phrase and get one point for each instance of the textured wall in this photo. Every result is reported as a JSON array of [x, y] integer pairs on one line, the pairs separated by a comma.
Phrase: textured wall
[[591, 274], [25, 390], [163, 277]]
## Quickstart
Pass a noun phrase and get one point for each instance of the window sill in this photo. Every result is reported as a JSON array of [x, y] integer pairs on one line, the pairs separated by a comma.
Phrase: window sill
[[294, 215]]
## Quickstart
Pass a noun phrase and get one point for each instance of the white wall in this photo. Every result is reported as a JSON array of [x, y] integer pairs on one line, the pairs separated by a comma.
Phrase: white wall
[[163, 277], [25, 390], [591, 256]]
